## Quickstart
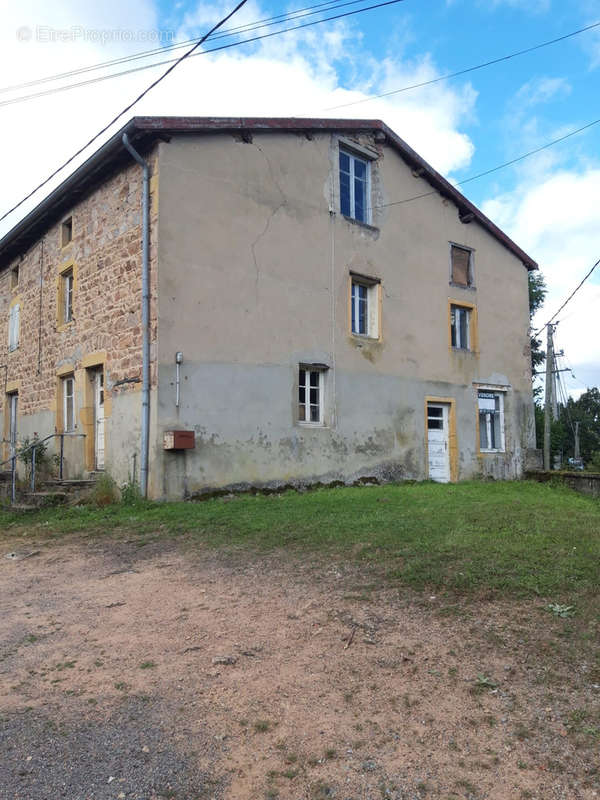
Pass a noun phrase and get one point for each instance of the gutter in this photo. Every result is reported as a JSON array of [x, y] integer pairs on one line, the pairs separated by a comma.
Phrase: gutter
[[145, 315]]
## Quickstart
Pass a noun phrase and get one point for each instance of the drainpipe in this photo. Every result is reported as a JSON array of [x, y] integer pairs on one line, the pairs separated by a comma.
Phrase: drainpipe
[[145, 315]]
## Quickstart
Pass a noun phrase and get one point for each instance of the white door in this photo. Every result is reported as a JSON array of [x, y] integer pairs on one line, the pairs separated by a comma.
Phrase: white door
[[99, 418], [12, 431], [437, 442]]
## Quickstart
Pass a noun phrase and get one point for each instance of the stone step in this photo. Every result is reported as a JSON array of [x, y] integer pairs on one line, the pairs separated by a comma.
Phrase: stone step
[[42, 499], [21, 508], [70, 484]]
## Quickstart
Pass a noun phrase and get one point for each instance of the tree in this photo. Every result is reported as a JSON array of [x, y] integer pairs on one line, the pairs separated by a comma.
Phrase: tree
[[537, 295]]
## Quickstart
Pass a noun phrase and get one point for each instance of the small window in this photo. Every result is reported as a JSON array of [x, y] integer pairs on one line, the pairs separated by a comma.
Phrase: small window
[[67, 283], [460, 324], [66, 232], [310, 395], [435, 418], [491, 421], [14, 326], [364, 306], [14, 277], [462, 266], [354, 187], [68, 392]]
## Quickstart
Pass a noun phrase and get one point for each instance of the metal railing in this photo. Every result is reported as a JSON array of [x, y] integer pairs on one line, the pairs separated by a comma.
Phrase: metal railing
[[33, 447]]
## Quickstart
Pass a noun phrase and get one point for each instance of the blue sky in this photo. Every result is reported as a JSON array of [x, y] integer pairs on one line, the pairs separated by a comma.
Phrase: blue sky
[[548, 203]]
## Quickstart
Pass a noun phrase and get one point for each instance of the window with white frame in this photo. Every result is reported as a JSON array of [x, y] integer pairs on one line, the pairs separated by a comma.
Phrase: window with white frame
[[311, 385], [491, 420], [364, 304], [354, 186], [460, 324], [68, 397], [13, 326]]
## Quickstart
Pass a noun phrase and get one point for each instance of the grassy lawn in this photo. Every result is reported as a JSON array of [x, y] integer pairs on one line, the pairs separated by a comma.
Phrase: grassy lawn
[[518, 538]]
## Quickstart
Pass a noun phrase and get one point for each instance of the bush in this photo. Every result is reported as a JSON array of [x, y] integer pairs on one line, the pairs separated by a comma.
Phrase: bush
[[105, 492], [45, 464], [130, 493]]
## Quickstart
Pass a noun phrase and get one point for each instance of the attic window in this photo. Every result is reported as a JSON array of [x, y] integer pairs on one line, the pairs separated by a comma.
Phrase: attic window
[[14, 277], [66, 232], [461, 262]]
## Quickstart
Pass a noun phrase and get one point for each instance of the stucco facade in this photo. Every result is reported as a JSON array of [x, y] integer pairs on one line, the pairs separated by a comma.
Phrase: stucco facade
[[252, 273]]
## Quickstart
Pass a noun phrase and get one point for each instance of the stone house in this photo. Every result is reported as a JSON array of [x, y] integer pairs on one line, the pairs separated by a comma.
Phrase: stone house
[[320, 305]]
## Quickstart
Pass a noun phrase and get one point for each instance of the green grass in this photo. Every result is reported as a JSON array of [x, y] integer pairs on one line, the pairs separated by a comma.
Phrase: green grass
[[521, 538]]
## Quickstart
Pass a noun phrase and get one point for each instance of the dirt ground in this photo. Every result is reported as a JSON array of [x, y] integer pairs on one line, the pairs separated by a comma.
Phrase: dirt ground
[[157, 671]]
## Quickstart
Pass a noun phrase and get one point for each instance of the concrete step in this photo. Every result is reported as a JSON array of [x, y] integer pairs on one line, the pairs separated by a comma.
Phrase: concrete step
[[21, 508]]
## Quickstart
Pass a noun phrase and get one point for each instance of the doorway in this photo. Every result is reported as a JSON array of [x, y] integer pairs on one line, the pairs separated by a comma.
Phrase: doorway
[[438, 441]]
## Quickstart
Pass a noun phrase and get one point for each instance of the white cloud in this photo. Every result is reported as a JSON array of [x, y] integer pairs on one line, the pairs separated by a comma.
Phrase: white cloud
[[542, 90], [291, 75], [557, 220]]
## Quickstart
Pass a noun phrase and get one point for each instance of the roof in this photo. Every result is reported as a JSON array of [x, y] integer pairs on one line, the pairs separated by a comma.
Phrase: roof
[[144, 131]]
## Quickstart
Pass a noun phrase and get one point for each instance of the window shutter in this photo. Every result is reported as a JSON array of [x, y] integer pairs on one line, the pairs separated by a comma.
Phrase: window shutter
[[17, 311], [13, 327], [460, 265]]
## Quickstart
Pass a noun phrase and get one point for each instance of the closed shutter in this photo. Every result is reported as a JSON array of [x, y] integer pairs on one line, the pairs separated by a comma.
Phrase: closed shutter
[[460, 265]]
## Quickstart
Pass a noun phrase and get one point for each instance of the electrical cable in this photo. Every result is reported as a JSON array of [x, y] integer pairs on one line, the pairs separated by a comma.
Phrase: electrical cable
[[495, 169], [101, 78], [573, 293], [227, 32], [466, 70], [187, 54]]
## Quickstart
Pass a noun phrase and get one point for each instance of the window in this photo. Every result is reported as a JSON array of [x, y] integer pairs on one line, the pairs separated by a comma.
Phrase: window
[[310, 395], [66, 299], [460, 324], [461, 266], [14, 277], [13, 326], [365, 294], [66, 232], [491, 421], [354, 186], [68, 398]]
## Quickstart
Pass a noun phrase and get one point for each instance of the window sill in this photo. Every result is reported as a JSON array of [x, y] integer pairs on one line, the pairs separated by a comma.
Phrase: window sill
[[65, 326], [359, 338], [13, 349], [465, 350], [469, 288], [301, 424], [366, 225], [491, 452]]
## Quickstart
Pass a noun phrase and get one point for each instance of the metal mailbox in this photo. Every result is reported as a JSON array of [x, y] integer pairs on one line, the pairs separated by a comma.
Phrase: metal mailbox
[[179, 440]]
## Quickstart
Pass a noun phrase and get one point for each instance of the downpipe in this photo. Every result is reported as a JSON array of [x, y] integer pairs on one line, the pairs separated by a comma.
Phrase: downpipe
[[145, 315]]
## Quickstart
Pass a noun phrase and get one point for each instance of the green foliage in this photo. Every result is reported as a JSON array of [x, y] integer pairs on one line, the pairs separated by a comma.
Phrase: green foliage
[[130, 494], [520, 538], [585, 410], [44, 463], [537, 295], [105, 491]]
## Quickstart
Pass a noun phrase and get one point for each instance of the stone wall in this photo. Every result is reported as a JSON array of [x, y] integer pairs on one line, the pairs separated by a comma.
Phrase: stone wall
[[105, 256]]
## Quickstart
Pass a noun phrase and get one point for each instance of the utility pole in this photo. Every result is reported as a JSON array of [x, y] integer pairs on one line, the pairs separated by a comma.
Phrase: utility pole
[[576, 453], [548, 393]]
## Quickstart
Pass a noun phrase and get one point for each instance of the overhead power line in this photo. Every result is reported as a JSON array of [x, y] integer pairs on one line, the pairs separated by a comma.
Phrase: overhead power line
[[101, 78], [178, 61], [466, 70], [224, 33], [495, 169], [570, 297]]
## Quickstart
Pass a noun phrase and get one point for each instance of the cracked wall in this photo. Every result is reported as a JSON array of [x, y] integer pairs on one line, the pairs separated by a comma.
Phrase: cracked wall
[[254, 264]]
